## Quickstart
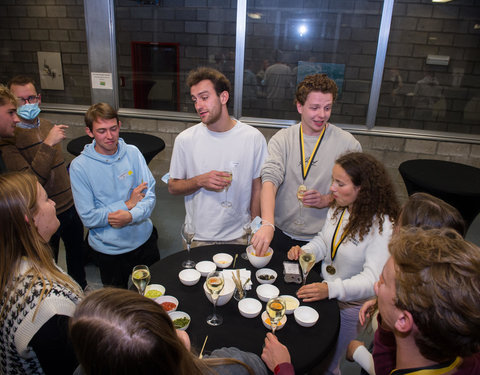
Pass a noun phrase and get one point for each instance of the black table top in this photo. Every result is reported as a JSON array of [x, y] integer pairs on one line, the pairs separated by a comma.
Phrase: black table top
[[149, 145], [308, 346]]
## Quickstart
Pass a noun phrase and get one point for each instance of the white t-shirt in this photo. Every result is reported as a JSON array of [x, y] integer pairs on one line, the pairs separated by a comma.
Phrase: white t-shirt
[[198, 150]]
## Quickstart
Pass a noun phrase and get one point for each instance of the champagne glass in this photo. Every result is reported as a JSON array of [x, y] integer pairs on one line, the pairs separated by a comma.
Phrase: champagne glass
[[307, 260], [226, 203], [247, 228], [215, 283], [141, 278], [300, 193], [188, 232], [276, 311]]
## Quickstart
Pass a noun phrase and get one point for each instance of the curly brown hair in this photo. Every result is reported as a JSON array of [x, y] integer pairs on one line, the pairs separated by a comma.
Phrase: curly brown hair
[[376, 197], [437, 278], [315, 82], [220, 82]]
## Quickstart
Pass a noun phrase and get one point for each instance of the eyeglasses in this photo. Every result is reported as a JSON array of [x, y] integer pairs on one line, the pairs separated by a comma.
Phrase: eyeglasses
[[32, 99]]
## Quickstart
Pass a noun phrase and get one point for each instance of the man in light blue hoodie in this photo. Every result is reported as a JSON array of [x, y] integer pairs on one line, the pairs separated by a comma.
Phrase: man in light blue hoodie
[[114, 193]]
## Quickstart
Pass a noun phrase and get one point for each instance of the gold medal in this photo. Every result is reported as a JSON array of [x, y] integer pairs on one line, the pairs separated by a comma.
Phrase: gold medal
[[331, 269]]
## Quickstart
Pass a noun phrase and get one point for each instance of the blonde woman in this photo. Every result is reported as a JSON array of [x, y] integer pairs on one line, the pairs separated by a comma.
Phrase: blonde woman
[[37, 298]]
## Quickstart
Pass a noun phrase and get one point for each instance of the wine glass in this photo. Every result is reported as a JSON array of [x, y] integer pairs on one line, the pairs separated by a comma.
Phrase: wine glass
[[247, 228], [188, 232], [307, 260], [300, 193], [276, 311], [215, 283], [226, 203], [141, 278]]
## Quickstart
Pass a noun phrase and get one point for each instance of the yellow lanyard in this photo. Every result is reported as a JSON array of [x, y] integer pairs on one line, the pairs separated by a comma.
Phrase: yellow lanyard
[[306, 169], [438, 369], [334, 245]]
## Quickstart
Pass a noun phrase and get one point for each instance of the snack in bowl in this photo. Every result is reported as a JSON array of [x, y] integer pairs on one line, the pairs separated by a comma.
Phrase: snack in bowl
[[266, 276], [169, 303], [181, 320], [154, 291], [268, 324], [259, 261], [222, 260], [291, 303]]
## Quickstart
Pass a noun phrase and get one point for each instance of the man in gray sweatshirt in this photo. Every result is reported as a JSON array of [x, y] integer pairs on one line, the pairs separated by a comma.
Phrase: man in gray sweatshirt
[[297, 173]]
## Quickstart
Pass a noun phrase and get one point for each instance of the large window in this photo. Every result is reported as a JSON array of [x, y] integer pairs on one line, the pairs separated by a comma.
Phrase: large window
[[287, 40], [432, 74], [46, 41]]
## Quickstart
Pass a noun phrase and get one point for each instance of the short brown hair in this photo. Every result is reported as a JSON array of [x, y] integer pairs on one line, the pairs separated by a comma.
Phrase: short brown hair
[[6, 96], [102, 111], [21, 80], [220, 82], [438, 281], [315, 82]]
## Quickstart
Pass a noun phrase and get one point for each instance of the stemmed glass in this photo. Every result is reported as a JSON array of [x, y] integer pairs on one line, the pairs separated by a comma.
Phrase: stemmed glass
[[300, 193], [276, 311], [141, 278], [307, 260], [247, 228], [215, 283], [188, 232], [226, 203]]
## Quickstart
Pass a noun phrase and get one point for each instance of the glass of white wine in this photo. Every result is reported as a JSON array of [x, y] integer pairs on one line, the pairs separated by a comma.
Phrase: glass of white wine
[[226, 203], [215, 283], [188, 232], [276, 311], [141, 278], [307, 261], [300, 193]]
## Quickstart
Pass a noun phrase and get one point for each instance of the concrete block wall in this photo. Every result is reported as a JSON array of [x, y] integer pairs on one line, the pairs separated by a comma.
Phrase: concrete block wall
[[391, 151], [54, 26]]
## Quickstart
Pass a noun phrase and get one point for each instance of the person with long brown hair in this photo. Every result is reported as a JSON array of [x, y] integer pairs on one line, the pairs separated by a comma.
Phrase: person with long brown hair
[[37, 298], [117, 331], [353, 244]]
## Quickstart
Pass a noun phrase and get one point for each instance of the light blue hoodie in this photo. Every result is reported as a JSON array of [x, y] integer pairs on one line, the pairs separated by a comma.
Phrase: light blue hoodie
[[101, 184]]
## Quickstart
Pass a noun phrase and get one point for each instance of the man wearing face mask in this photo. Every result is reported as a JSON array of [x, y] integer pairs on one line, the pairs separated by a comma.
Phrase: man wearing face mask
[[36, 147]]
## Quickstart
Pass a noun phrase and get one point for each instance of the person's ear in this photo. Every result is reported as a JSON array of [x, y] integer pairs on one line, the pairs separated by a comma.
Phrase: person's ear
[[26, 219], [39, 99], [299, 108], [89, 132], [404, 322], [224, 97], [119, 124]]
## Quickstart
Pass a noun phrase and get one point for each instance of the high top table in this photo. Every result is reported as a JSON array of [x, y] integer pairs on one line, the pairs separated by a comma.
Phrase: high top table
[[307, 346], [149, 145], [457, 184]]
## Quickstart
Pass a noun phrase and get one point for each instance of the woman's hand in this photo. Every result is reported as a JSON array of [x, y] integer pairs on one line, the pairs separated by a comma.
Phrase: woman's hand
[[313, 292], [261, 239], [365, 310], [294, 252]]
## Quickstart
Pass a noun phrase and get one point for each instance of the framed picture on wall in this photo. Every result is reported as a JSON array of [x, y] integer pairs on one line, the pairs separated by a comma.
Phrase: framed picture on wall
[[50, 69]]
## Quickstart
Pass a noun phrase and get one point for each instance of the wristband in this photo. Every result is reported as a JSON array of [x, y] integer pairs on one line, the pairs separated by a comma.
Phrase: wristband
[[266, 223]]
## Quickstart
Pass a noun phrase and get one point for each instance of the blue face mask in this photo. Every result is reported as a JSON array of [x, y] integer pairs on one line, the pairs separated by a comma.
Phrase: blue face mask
[[28, 111]]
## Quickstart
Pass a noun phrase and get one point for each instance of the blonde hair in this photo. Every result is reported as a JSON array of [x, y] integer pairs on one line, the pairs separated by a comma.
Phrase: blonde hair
[[7, 97], [20, 238]]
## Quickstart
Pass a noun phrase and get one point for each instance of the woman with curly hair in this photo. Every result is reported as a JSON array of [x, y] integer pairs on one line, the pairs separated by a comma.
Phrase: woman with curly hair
[[353, 244], [36, 297], [117, 331]]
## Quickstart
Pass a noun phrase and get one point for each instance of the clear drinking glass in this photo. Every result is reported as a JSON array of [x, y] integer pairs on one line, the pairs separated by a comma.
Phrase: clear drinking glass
[[188, 232], [300, 194], [307, 261], [247, 221], [141, 278], [276, 311], [226, 203], [215, 283]]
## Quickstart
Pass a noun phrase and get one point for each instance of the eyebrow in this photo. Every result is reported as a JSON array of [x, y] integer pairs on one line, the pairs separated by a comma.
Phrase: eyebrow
[[201, 93]]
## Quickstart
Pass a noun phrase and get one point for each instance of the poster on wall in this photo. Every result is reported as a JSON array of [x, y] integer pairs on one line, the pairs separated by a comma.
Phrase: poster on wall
[[50, 68], [334, 71]]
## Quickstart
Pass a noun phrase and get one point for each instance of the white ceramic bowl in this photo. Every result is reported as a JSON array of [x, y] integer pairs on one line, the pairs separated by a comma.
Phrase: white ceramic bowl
[[249, 307], [271, 274], [167, 299], [306, 316], [154, 289], [189, 277], [222, 260], [259, 262], [267, 291], [205, 267], [226, 293], [280, 325], [179, 315], [291, 303]]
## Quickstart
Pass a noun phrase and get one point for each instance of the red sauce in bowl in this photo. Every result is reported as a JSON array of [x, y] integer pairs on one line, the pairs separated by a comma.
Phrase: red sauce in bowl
[[168, 306]]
